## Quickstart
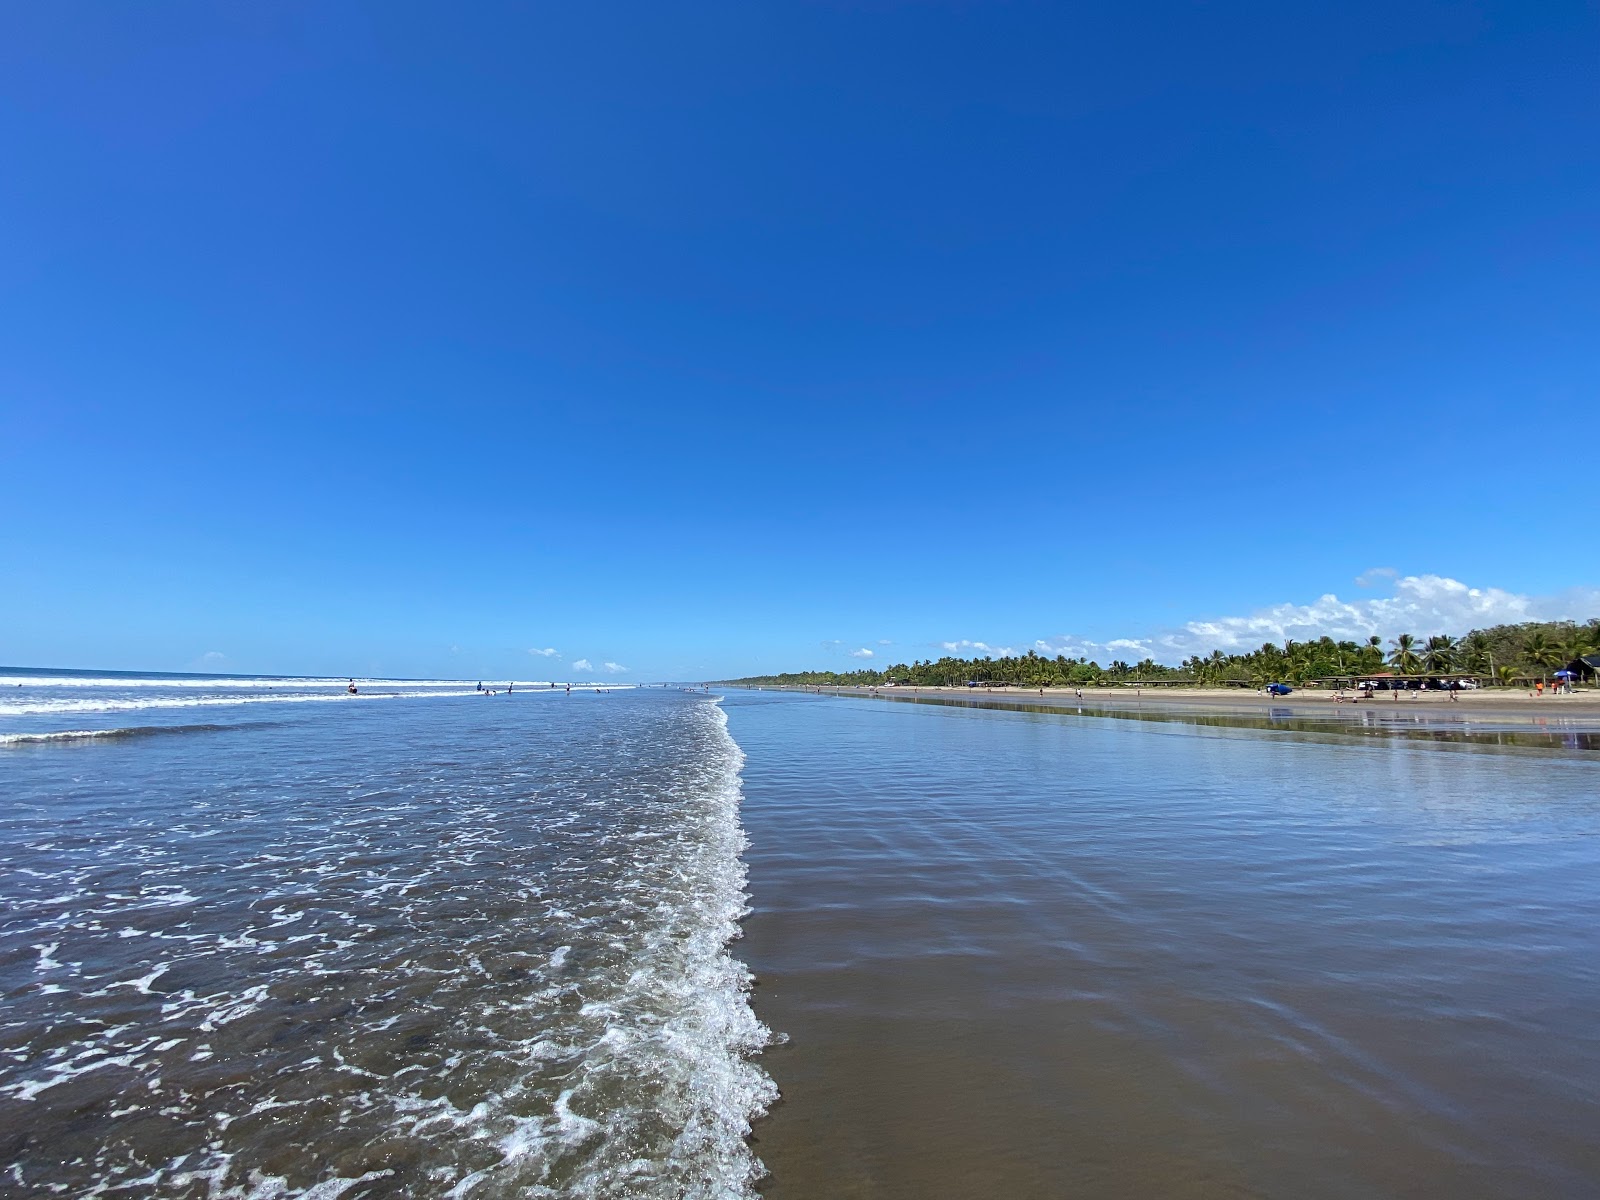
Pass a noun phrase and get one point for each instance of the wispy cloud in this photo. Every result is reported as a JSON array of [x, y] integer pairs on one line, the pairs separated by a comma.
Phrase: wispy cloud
[[963, 645], [613, 668], [861, 653], [209, 661], [547, 652], [582, 664], [885, 642], [1373, 576]]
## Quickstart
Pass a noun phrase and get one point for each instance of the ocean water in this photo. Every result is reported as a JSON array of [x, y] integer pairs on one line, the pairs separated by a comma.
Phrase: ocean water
[[261, 938]]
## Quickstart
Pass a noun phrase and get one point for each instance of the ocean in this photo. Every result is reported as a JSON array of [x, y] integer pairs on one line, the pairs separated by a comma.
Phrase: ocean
[[261, 938]]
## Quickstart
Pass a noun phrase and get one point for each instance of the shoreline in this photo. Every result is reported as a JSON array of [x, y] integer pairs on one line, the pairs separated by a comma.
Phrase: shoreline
[[1492, 703]]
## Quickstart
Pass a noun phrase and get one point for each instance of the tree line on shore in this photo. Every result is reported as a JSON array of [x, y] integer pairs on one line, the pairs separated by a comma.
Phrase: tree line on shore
[[1502, 654]]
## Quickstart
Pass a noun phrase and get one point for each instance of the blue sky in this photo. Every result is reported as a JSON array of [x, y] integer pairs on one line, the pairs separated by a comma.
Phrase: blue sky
[[712, 339]]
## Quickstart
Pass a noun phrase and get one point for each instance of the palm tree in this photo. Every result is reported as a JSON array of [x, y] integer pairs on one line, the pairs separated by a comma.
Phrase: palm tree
[[1506, 674], [1539, 651], [1439, 654], [1583, 640], [1403, 657], [1576, 644], [1476, 648]]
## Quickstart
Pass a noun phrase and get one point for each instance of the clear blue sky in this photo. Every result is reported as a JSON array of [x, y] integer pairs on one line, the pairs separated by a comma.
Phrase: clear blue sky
[[699, 338]]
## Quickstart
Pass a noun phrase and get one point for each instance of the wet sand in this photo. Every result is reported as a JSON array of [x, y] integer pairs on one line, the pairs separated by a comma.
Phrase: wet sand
[[1038, 954], [1583, 704]]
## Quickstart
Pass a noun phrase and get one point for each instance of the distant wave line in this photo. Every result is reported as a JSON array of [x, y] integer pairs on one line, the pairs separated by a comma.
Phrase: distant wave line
[[132, 731], [218, 681], [109, 704]]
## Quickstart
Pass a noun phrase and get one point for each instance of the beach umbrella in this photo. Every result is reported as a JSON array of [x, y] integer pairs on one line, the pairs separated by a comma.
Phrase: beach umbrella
[[1562, 674]]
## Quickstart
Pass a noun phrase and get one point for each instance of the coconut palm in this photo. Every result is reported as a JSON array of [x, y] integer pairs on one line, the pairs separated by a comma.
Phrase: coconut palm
[[1577, 643], [1475, 650], [1542, 653], [1440, 653], [1403, 655], [1506, 673]]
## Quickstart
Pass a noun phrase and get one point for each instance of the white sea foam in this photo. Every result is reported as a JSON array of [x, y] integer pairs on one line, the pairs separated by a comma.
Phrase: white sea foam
[[520, 968], [61, 735]]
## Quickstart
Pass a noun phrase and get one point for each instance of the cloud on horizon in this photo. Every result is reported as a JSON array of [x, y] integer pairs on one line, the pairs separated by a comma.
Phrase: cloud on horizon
[[583, 664], [613, 668], [861, 653], [1421, 604], [547, 652]]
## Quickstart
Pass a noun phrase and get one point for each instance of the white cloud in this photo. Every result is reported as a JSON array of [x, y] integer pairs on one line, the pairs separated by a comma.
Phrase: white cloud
[[583, 664], [982, 648], [1373, 576], [861, 653], [1421, 604], [1129, 647], [885, 642], [547, 652], [614, 668]]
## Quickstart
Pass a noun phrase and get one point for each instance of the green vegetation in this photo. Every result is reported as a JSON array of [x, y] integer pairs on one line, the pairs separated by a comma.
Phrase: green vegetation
[[1503, 654]]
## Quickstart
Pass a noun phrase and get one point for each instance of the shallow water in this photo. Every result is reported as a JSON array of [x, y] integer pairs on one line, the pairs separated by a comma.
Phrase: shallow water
[[261, 939], [408, 944], [1045, 954]]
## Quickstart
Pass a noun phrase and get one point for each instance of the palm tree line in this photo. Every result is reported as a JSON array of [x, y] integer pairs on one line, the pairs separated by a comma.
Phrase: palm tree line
[[1500, 654]]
